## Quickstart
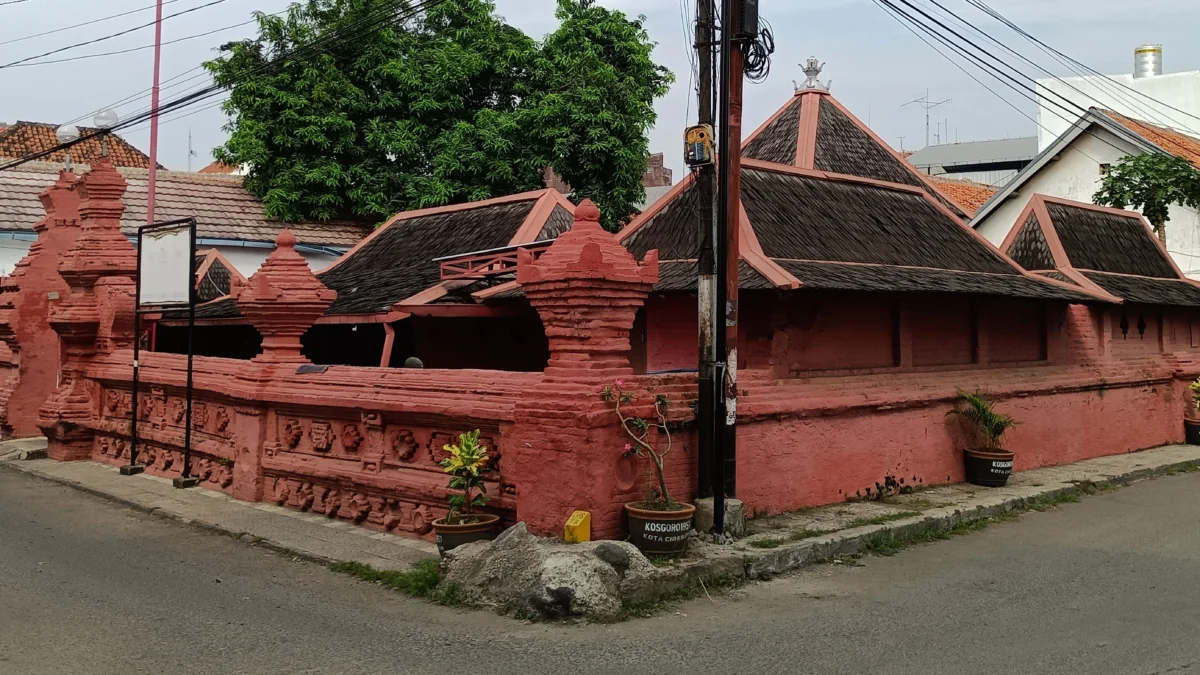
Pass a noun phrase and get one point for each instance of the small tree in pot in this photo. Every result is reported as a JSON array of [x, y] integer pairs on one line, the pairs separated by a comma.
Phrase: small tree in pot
[[463, 524], [986, 461], [657, 524]]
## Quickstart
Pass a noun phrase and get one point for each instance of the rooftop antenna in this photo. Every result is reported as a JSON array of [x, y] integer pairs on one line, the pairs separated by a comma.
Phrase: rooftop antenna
[[928, 104], [191, 152], [902, 145], [812, 68]]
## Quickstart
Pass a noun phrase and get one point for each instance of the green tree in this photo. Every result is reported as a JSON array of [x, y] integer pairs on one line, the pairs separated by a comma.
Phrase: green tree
[[432, 108], [1151, 183], [591, 104]]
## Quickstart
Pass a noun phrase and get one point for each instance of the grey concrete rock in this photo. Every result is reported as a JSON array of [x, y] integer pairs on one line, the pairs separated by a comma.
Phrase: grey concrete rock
[[521, 573]]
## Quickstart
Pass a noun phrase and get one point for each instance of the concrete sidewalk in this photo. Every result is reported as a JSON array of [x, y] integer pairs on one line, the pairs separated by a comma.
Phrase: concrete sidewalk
[[304, 535]]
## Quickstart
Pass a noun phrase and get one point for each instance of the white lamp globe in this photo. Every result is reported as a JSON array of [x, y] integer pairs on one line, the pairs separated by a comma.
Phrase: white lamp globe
[[106, 119], [66, 133]]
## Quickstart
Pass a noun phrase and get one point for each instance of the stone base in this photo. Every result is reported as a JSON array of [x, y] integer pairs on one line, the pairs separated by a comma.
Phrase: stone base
[[735, 516], [69, 451], [182, 483], [132, 469]]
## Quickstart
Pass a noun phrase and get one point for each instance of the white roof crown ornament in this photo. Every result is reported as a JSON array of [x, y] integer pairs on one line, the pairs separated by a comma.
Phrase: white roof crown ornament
[[813, 68]]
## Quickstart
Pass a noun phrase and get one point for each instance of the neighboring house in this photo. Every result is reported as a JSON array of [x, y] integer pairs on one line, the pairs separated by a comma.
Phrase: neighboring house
[[26, 138], [657, 180], [224, 169], [987, 162], [1073, 166], [229, 218], [1171, 100]]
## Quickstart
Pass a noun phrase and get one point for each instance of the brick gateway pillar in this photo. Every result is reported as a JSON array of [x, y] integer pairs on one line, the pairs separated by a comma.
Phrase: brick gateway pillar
[[567, 445], [79, 317]]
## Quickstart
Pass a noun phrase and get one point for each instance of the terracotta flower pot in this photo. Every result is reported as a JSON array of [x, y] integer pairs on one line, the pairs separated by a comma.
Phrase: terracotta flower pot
[[1191, 431], [660, 532], [988, 468], [450, 537]]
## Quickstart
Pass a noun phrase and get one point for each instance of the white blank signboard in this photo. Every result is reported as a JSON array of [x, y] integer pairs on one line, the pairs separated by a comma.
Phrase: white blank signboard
[[166, 260]]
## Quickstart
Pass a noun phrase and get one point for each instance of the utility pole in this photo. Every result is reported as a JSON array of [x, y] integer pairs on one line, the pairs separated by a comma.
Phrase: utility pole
[[928, 104], [154, 115], [729, 203], [706, 177]]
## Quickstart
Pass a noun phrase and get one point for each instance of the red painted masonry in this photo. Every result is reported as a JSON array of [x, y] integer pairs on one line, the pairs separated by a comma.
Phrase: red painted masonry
[[839, 390]]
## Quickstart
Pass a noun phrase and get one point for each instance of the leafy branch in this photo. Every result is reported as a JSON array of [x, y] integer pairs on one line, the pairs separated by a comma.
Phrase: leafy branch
[[639, 429]]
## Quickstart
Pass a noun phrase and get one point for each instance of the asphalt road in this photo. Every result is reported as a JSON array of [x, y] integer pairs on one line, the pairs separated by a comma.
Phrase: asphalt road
[[1109, 585]]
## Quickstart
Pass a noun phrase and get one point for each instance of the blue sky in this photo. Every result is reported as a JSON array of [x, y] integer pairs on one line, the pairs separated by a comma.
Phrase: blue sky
[[875, 64]]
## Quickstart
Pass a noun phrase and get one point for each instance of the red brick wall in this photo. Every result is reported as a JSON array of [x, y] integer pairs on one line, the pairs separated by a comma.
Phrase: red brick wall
[[672, 334], [1132, 343], [1016, 330], [943, 331], [830, 331]]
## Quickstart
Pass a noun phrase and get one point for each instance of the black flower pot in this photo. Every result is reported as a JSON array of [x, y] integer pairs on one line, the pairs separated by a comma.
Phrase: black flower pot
[[660, 532], [989, 469], [1191, 432]]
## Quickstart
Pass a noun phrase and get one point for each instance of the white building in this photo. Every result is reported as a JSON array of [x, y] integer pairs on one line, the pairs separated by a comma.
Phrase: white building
[[1171, 100], [1072, 168]]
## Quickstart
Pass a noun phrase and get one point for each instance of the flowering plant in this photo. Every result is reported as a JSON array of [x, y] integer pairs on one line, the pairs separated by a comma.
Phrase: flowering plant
[[466, 461], [639, 429], [1195, 387]]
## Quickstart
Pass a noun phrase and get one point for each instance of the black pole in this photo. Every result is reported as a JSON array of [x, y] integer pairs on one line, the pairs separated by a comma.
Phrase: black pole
[[186, 480], [133, 468], [720, 242], [706, 176]]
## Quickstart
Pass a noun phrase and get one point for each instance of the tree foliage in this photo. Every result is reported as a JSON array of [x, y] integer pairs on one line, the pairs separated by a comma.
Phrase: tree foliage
[[1151, 183], [447, 105]]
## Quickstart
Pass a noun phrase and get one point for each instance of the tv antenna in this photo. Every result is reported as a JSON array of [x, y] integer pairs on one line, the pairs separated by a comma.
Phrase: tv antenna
[[928, 104]]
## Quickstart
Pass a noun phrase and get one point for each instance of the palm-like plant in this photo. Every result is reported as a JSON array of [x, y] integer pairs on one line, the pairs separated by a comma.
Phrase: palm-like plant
[[978, 412]]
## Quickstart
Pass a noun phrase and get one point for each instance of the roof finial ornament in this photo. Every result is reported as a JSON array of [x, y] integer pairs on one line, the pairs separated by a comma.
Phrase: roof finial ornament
[[813, 68]]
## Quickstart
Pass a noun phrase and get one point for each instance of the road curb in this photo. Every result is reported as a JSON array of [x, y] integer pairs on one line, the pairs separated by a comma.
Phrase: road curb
[[159, 512], [851, 542]]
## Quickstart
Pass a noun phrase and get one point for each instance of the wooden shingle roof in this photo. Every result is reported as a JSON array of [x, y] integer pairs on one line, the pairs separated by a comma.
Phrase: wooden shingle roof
[[1101, 249], [827, 205], [396, 264]]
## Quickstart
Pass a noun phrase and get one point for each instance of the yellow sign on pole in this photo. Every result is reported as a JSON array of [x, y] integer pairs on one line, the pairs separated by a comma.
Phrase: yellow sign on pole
[[578, 528]]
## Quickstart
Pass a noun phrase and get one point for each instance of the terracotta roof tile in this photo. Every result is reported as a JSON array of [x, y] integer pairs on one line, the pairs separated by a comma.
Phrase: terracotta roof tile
[[1178, 144], [967, 194], [218, 167], [26, 138], [222, 207]]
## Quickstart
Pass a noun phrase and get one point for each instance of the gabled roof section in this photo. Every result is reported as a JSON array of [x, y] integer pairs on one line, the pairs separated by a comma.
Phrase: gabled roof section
[[395, 264], [216, 276], [1099, 248], [815, 131], [1178, 144], [804, 228]]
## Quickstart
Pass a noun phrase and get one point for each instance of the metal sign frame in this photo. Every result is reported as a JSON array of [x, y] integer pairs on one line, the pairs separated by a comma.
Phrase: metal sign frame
[[186, 480]]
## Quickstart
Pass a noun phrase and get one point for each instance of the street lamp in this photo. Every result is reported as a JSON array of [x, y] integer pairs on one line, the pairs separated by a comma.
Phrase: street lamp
[[105, 120], [66, 134]]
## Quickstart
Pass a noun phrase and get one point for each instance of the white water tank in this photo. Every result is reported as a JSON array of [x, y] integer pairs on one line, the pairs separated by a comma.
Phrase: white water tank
[[1148, 61]]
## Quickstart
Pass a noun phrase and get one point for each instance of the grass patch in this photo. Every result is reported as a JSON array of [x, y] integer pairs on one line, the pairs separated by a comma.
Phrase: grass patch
[[879, 520], [422, 581], [1190, 467], [769, 542], [695, 589]]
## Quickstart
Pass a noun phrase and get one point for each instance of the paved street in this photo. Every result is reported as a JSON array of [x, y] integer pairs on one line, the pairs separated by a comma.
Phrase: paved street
[[1108, 585]]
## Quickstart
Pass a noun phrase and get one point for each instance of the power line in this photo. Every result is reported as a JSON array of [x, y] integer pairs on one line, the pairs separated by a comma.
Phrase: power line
[[346, 34], [109, 37], [1018, 54], [983, 7], [133, 49], [85, 23], [11, 2]]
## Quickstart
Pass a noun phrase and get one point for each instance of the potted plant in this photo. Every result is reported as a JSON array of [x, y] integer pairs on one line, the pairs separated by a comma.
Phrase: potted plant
[[1191, 422], [657, 524], [986, 461], [462, 525]]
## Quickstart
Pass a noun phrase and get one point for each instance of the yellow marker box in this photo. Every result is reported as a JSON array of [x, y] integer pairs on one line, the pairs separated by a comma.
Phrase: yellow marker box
[[578, 528]]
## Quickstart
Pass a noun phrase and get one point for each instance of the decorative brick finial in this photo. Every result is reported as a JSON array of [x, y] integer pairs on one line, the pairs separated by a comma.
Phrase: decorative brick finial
[[100, 250], [283, 299], [587, 289]]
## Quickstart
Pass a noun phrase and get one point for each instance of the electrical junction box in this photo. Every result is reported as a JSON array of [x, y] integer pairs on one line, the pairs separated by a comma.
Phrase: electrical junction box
[[698, 145], [747, 20]]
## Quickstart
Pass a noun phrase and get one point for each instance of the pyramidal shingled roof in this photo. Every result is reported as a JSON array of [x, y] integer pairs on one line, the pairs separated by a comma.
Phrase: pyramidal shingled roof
[[827, 205], [1100, 249]]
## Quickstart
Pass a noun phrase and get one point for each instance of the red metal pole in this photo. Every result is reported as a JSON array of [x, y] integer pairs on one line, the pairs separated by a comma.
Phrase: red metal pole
[[154, 115]]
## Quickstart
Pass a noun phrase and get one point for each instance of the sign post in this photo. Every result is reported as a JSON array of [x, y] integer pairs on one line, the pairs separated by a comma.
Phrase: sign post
[[165, 280]]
